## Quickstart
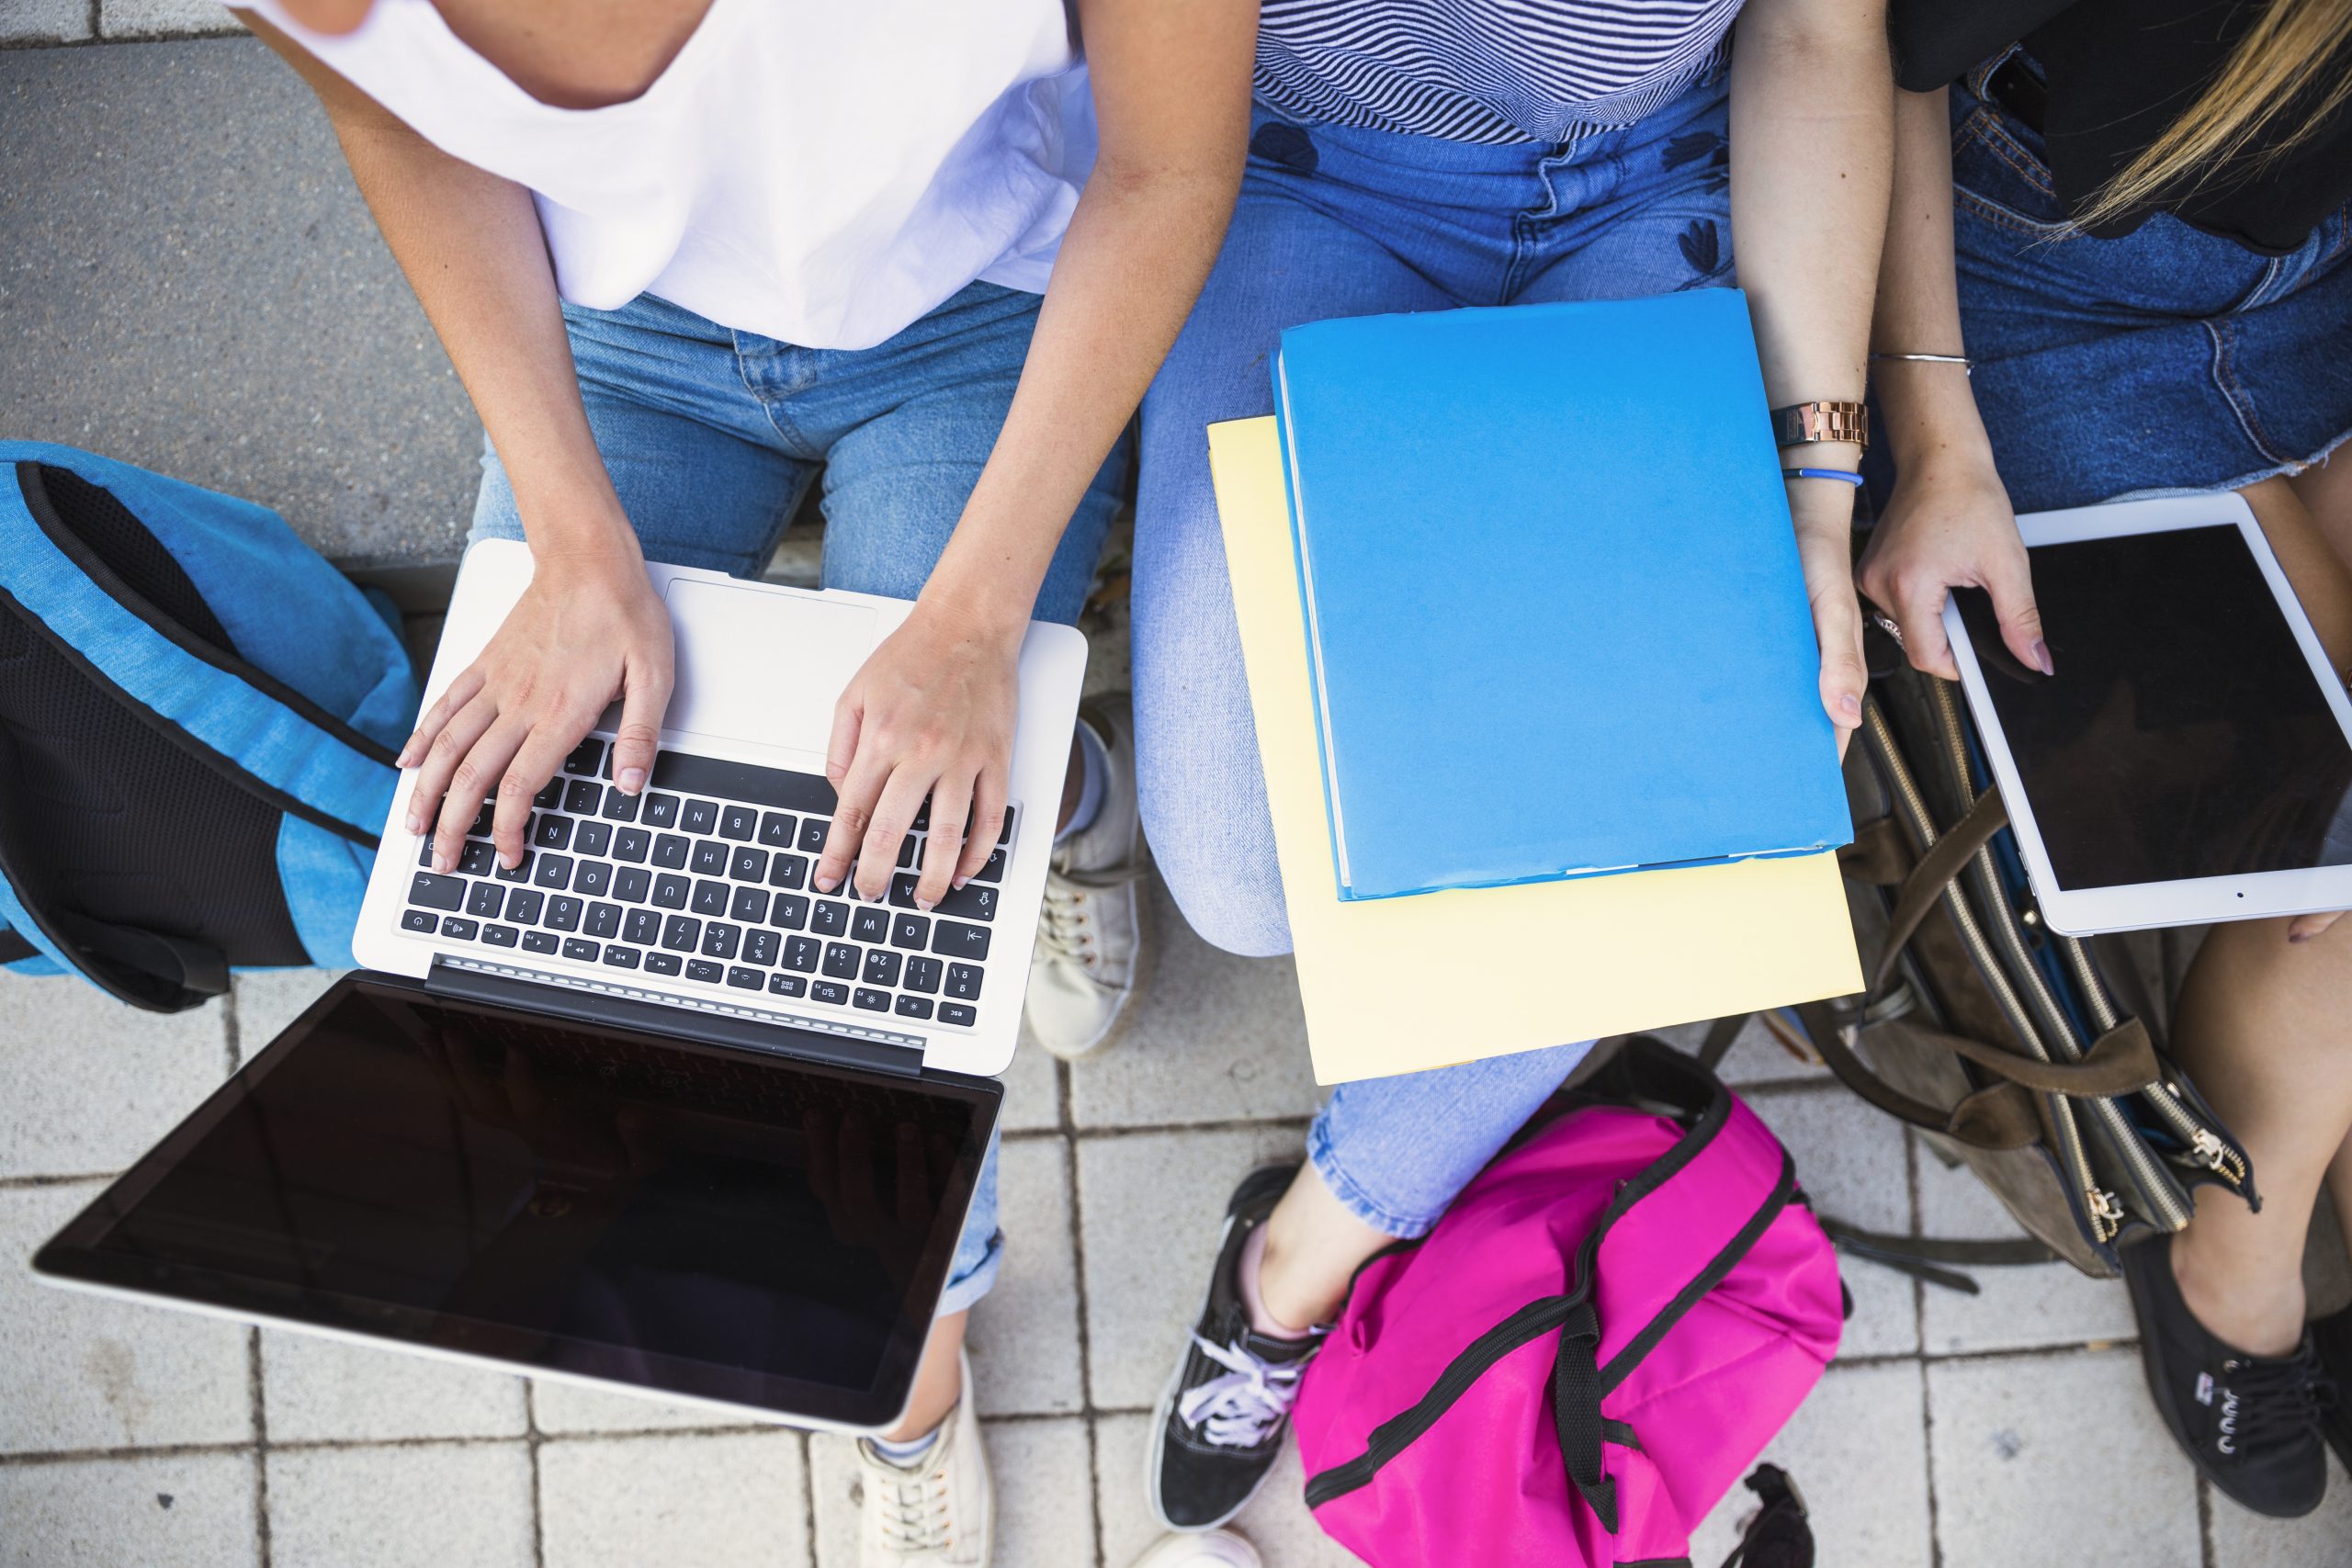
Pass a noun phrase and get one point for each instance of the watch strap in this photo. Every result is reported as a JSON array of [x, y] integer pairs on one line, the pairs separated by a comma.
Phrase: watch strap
[[1800, 423]]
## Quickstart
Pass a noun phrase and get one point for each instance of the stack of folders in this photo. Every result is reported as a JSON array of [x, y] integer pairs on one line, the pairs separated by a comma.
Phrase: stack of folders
[[1535, 680]]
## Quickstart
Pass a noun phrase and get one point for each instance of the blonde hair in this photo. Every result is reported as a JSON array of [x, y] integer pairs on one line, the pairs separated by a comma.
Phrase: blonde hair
[[2284, 54]]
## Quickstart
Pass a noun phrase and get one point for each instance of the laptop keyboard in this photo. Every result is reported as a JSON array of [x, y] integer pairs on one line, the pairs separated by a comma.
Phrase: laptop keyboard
[[701, 883]]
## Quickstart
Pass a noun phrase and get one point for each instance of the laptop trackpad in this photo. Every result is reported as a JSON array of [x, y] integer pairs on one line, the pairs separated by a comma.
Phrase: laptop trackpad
[[757, 665]]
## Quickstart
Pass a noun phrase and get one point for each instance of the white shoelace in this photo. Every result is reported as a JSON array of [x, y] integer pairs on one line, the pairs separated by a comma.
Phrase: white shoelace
[[1064, 928], [1237, 1410], [913, 1513]]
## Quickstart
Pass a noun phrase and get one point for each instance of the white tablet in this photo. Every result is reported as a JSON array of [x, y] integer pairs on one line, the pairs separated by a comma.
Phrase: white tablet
[[2191, 759]]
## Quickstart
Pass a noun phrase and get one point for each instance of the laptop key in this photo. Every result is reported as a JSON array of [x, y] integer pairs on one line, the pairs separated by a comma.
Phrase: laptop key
[[551, 832], [994, 870], [789, 911], [871, 1001], [914, 1007], [500, 936], [710, 858], [550, 795], [476, 859], [911, 932], [964, 982], [631, 883], [663, 963], [744, 979], [438, 892], [425, 851], [583, 796], [973, 901], [591, 838], [830, 991], [776, 829], [423, 920], [621, 957], [682, 934], [482, 819], [703, 969], [632, 844], [749, 865], [604, 919], [671, 892], [670, 852], [581, 950], [830, 920], [788, 986], [788, 871], [485, 900], [522, 905], [594, 879], [812, 835], [519, 872], [882, 966], [801, 952], [720, 940], [750, 906], [759, 946], [958, 1014], [710, 897], [923, 974], [619, 807], [870, 922], [700, 817], [909, 847], [740, 823], [902, 890], [952, 939], [552, 872], [642, 927], [660, 810], [539, 941], [841, 961], [563, 914], [1004, 834], [585, 757]]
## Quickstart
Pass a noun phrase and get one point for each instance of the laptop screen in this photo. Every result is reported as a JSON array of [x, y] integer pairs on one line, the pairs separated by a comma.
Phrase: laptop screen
[[697, 1220]]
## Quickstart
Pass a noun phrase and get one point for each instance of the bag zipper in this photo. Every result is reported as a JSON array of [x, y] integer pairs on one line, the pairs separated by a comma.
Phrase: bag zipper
[[2207, 1147]]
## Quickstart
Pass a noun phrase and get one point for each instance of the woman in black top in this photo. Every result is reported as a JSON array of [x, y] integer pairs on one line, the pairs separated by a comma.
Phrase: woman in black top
[[2138, 210]]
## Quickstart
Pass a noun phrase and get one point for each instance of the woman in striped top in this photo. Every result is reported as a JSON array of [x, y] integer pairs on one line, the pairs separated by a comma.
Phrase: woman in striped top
[[1414, 155]]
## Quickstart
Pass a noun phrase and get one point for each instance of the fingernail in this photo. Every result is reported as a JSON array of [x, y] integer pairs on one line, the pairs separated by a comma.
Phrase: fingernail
[[2299, 936], [440, 862], [959, 883], [926, 905], [632, 780], [2041, 657], [1851, 707], [407, 758], [415, 824], [509, 861], [826, 883]]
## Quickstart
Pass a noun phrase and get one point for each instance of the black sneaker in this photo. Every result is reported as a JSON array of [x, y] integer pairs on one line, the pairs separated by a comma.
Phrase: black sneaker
[[1220, 1424], [2249, 1424], [2332, 1337]]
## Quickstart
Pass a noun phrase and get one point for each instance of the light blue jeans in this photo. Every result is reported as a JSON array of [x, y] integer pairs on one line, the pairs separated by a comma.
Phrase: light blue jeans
[[1343, 222], [713, 436]]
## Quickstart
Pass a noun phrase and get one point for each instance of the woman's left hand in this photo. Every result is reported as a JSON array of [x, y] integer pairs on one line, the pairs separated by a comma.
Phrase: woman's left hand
[[1825, 525], [929, 713]]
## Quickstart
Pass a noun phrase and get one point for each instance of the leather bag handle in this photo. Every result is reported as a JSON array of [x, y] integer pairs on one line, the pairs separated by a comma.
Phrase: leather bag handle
[[1945, 859]]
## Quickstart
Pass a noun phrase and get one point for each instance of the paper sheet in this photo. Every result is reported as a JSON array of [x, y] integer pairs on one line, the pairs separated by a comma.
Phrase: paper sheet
[[1400, 984]]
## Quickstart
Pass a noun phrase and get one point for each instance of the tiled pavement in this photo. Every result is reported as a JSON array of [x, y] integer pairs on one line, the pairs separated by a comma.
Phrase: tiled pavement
[[138, 182]]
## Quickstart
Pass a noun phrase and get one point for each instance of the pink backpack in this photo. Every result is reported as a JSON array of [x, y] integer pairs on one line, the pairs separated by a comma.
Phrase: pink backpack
[[1577, 1364]]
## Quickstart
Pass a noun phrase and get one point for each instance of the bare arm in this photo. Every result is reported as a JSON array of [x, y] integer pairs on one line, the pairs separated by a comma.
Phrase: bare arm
[[1949, 522], [1810, 138], [590, 627], [933, 711]]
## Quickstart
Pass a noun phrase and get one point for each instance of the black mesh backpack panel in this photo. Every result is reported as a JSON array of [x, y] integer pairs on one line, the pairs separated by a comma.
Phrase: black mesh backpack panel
[[111, 825]]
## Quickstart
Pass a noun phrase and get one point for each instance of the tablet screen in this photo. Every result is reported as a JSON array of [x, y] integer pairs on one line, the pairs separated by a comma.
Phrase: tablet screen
[[600, 1201], [2184, 734]]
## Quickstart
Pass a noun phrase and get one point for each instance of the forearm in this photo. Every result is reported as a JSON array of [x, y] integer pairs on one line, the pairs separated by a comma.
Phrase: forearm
[[1810, 110], [1929, 413]]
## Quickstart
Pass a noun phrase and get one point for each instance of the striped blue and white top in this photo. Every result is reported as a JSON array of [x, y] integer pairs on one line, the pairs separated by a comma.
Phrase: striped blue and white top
[[1486, 71]]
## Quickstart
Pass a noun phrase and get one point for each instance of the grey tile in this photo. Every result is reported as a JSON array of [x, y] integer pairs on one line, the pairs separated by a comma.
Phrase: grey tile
[[1850, 1159], [318, 1389], [1755, 1056], [2041, 1303], [418, 1505], [79, 1371], [1857, 1449], [94, 1082], [1033, 1093], [1023, 1333], [324, 395], [723, 1502], [561, 1408], [2322, 1539], [1217, 1039], [161, 18], [2056, 1459], [1150, 1205], [1277, 1522], [157, 1511], [43, 21], [269, 1000]]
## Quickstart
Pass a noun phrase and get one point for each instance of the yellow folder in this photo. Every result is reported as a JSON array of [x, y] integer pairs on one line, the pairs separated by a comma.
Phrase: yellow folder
[[1400, 985]]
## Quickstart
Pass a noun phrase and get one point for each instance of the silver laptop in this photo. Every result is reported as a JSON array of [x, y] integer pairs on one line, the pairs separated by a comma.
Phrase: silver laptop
[[647, 1110]]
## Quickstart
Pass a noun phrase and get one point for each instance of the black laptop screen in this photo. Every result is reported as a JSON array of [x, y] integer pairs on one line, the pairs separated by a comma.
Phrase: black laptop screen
[[705, 1221]]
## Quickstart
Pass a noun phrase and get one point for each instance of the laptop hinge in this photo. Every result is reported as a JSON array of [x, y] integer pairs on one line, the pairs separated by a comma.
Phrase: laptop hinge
[[480, 983]]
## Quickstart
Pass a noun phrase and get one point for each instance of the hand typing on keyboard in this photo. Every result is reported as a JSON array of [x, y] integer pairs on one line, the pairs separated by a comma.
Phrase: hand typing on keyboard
[[588, 628], [929, 713]]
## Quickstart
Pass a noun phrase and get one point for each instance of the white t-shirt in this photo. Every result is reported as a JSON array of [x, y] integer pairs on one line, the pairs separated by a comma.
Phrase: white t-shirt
[[821, 171]]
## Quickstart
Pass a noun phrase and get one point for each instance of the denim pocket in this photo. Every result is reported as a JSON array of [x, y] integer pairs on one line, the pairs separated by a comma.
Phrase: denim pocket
[[2002, 180]]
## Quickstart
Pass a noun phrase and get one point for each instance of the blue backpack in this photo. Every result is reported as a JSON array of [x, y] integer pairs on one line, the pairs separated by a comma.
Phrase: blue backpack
[[198, 723]]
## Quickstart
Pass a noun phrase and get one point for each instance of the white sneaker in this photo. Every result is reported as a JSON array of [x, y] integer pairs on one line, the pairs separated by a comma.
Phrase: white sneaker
[[941, 1512], [1215, 1549], [1092, 957]]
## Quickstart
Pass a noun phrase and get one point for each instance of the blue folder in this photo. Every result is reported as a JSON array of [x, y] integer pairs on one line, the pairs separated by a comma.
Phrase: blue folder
[[1556, 624]]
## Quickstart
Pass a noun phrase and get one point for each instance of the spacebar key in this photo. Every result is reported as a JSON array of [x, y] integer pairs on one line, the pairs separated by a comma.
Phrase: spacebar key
[[682, 773]]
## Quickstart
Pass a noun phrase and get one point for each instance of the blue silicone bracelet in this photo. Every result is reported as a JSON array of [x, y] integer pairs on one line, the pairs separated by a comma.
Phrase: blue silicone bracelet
[[1840, 475]]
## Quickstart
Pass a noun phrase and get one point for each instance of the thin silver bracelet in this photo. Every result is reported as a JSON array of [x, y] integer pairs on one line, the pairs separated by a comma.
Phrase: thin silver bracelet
[[1967, 366]]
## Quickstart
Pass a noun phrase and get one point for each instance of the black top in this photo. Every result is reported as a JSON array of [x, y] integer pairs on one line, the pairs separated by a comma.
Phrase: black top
[[2117, 73]]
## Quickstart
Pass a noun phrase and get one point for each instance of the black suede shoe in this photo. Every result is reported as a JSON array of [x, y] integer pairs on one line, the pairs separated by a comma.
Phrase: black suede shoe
[[2249, 1424], [2332, 1337], [1220, 1424]]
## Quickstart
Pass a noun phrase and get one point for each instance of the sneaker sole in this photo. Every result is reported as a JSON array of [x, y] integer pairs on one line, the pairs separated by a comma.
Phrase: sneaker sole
[[1147, 969], [2167, 1407], [1160, 1412]]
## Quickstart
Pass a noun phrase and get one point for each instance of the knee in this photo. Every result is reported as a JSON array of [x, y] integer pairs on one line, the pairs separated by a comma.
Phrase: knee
[[1221, 872]]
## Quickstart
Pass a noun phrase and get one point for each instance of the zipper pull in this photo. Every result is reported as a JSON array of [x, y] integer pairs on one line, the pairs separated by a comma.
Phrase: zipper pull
[[2107, 1214], [2208, 1150]]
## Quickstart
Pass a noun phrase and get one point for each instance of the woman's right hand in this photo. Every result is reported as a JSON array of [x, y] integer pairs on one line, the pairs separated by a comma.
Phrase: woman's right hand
[[1949, 526], [588, 628]]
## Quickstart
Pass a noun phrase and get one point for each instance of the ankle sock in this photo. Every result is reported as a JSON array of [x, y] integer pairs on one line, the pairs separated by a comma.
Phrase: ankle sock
[[906, 1455], [1252, 1260], [1094, 780]]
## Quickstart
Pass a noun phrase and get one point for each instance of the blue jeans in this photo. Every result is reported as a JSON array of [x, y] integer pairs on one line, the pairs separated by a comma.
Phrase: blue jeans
[[1334, 222], [2214, 365], [713, 436]]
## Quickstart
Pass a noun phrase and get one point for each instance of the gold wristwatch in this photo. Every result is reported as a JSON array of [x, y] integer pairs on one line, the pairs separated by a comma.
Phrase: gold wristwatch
[[1801, 424]]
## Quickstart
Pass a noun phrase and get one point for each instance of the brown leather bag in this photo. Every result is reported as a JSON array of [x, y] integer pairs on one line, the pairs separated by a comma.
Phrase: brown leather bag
[[1997, 1038]]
